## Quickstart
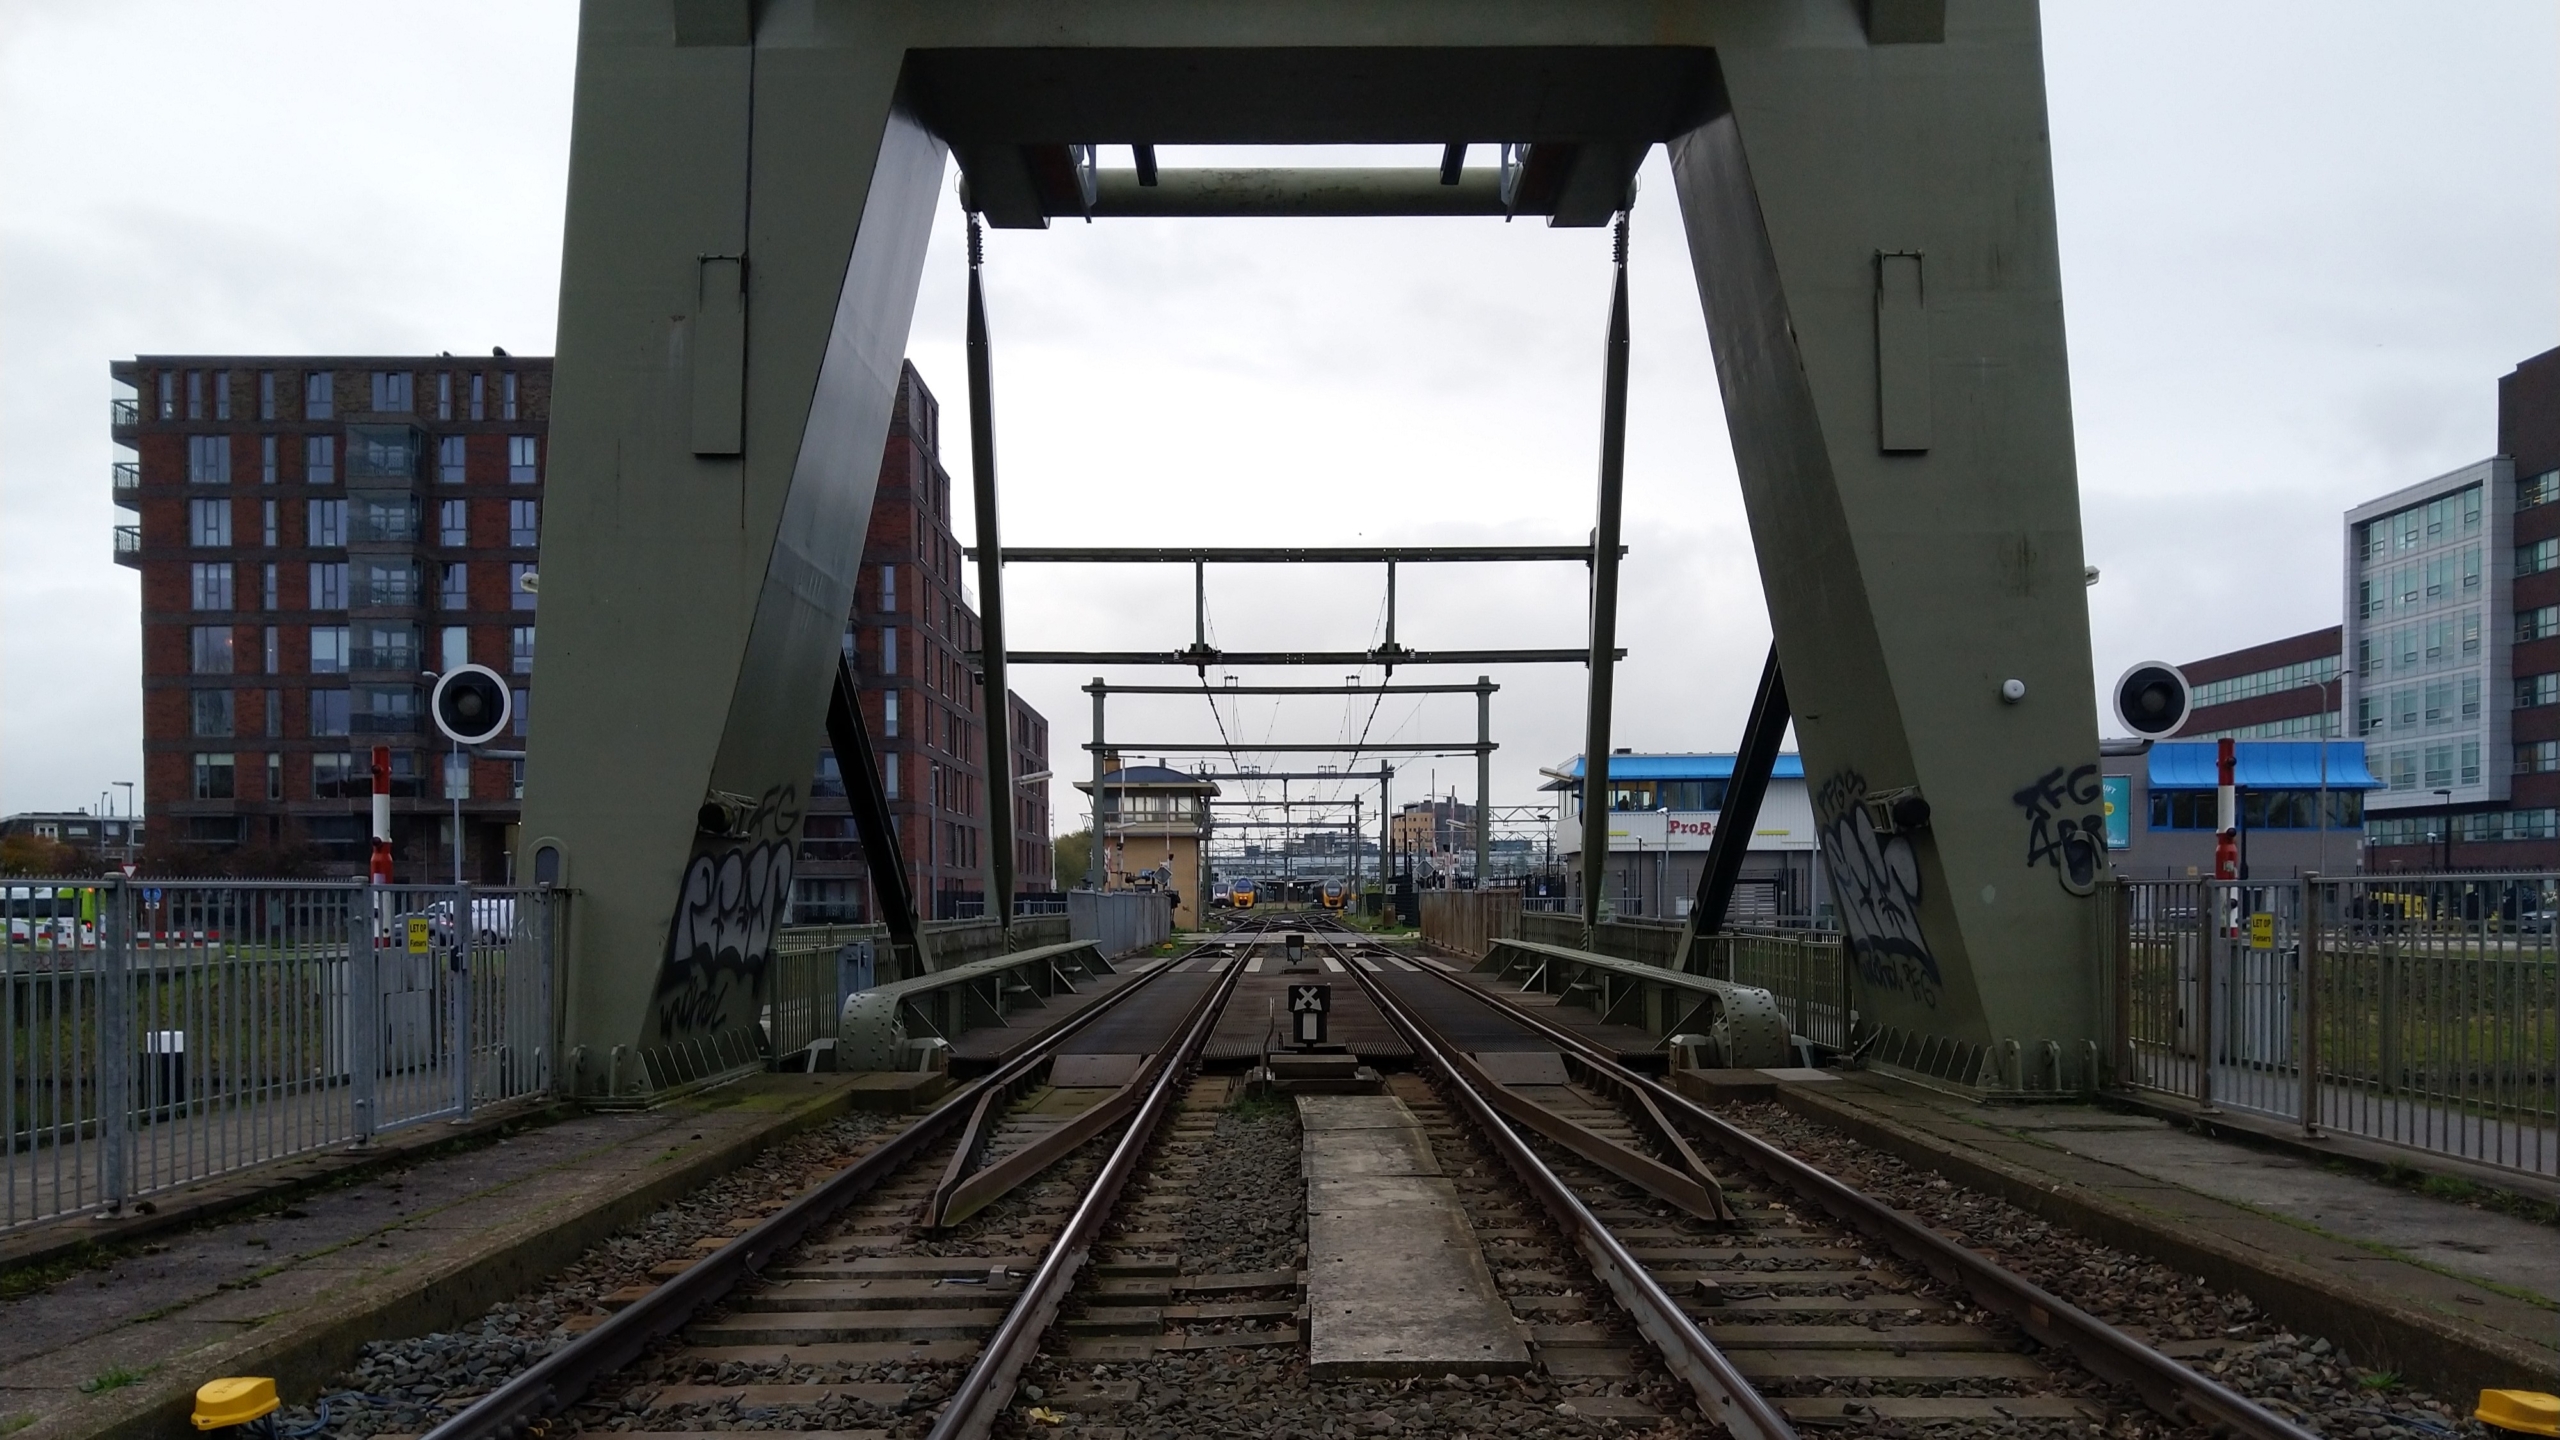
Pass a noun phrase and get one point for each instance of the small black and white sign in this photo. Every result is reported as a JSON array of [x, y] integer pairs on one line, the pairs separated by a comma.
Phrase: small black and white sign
[[1308, 1007]]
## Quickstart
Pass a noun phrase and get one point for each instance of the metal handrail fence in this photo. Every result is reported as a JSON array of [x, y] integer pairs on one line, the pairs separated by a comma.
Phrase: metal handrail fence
[[1804, 969], [2420, 1011], [157, 1032]]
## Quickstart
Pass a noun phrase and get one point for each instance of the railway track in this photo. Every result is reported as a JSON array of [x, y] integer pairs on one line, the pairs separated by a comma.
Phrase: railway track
[[1780, 1296], [999, 1257]]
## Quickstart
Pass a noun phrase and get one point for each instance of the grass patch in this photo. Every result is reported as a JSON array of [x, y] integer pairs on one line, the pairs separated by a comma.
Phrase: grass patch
[[2448, 1187], [1249, 1105], [114, 1377], [26, 1280], [2379, 1380]]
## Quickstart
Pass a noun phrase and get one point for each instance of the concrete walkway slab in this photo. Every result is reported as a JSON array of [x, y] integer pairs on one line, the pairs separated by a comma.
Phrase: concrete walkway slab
[[1395, 1282], [295, 1290], [2456, 1296]]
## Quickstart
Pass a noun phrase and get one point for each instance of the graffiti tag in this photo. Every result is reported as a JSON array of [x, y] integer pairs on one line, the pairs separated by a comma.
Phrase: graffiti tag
[[2075, 845], [1876, 879], [728, 911]]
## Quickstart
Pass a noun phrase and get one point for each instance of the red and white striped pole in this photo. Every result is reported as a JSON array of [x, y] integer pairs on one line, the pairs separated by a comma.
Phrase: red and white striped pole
[[2226, 817], [382, 813]]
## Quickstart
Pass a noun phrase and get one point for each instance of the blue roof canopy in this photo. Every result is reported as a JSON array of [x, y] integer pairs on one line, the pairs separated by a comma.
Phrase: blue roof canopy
[[1674, 767], [2261, 765]]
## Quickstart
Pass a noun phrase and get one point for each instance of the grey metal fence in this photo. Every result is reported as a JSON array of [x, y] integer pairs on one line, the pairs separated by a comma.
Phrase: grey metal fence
[[154, 1033], [1805, 969], [2414, 1010]]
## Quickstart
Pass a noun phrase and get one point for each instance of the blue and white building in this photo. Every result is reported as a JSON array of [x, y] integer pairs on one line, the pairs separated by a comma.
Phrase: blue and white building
[[1665, 809]]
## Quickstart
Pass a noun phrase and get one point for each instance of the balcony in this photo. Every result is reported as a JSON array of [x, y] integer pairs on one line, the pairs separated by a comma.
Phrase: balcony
[[126, 481], [365, 657], [129, 546], [369, 723], [124, 414]]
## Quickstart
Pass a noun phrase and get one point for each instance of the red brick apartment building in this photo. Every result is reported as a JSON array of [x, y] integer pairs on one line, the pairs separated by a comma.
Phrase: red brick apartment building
[[318, 535]]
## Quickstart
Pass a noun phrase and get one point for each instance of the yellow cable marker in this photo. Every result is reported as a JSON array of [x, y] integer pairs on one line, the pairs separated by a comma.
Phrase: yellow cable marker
[[234, 1400], [2524, 1412]]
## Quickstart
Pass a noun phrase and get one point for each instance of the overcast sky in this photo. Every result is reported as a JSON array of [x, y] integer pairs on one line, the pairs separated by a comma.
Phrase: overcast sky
[[2300, 243]]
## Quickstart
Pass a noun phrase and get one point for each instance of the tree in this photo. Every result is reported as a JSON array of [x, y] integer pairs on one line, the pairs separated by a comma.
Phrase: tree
[[1074, 853], [32, 854]]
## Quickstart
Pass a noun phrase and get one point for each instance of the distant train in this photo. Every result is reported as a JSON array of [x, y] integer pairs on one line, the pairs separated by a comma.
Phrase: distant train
[[1334, 894], [1242, 894]]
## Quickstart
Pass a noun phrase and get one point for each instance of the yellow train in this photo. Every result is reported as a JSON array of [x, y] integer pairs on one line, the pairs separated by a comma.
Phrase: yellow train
[[1333, 894], [1242, 894]]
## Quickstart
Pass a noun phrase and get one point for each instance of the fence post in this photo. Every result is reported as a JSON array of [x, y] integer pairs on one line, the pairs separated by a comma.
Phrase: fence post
[[2208, 940], [117, 1057], [458, 967], [2307, 1028], [2121, 1053], [364, 1011]]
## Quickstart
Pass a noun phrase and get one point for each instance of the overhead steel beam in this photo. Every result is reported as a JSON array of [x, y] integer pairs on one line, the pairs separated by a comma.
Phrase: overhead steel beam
[[1307, 193], [1604, 600], [1196, 690], [1735, 819], [1292, 554], [1382, 774], [1302, 747], [993, 688], [1300, 657]]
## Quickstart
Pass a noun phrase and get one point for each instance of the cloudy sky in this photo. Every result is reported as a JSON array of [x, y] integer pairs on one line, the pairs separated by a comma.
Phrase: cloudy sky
[[2300, 243]]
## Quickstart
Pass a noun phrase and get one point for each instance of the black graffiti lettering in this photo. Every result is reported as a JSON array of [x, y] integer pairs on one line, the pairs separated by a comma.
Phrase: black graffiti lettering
[[728, 913], [1876, 880], [2074, 846]]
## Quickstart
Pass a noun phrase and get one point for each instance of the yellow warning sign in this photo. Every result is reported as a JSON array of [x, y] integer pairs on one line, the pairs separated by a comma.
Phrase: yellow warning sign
[[418, 934], [2262, 931]]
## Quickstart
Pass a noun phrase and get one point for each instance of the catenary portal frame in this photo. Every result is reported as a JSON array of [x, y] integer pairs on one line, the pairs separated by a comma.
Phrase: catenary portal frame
[[1866, 190]]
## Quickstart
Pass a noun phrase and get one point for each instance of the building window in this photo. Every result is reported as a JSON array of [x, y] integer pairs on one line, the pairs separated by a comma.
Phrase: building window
[[275, 776], [889, 714], [275, 714], [453, 587], [387, 583], [329, 650], [330, 713], [393, 520], [320, 460], [212, 714], [457, 776], [269, 587], [2439, 701], [2537, 757], [325, 525], [386, 647], [195, 394], [210, 647], [208, 459], [450, 469], [337, 777], [888, 649], [479, 397], [266, 394], [520, 594], [453, 523], [266, 460], [444, 396], [268, 648], [520, 714], [386, 709], [213, 776], [524, 524], [209, 522], [2468, 771], [267, 523], [2540, 555], [888, 589], [221, 394], [454, 649], [209, 585], [319, 396], [2439, 767], [889, 775], [520, 650], [2539, 624], [2532, 690], [329, 585], [509, 410], [523, 463], [2470, 697], [2541, 489], [168, 394]]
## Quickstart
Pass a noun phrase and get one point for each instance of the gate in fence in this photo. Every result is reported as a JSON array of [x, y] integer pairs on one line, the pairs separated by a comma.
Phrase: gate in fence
[[2414, 1010], [154, 1033]]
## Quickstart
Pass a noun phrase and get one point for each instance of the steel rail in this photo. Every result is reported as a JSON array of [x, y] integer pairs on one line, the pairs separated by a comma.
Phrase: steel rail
[[1723, 1392], [979, 1399], [2173, 1389], [564, 1377]]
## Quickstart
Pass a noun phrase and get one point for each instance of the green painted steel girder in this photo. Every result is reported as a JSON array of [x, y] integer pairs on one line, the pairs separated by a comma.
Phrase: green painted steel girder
[[1866, 188]]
